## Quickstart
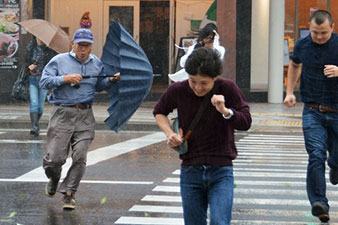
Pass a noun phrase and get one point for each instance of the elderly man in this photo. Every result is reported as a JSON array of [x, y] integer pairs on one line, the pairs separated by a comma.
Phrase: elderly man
[[72, 123]]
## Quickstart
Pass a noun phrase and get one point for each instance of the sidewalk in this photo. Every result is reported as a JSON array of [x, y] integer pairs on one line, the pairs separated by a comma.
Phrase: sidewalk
[[274, 117]]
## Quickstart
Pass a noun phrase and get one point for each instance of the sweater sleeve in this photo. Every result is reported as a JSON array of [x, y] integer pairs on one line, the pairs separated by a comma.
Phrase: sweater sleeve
[[167, 102], [241, 120]]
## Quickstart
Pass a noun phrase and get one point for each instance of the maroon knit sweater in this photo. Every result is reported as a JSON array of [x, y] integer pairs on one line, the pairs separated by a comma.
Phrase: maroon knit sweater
[[212, 140]]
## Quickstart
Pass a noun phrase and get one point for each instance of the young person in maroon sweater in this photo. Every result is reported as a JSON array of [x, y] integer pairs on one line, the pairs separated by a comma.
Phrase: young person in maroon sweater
[[206, 170]]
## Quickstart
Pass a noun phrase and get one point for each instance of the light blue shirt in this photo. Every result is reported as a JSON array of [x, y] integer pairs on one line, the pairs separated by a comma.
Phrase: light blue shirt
[[65, 93]]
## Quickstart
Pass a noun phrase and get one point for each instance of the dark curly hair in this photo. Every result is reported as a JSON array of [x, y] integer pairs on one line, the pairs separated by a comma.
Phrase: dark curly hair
[[204, 61]]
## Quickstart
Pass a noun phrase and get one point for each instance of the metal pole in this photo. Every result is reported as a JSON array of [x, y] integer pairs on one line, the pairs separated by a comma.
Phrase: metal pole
[[296, 30], [276, 39]]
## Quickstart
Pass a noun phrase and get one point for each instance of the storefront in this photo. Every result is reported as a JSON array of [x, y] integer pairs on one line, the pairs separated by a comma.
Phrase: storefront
[[297, 13], [157, 25]]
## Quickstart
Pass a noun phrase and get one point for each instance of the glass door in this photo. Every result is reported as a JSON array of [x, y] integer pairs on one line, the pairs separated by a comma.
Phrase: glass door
[[125, 12]]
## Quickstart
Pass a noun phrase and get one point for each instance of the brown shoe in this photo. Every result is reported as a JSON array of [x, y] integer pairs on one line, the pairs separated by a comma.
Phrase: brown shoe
[[321, 211], [69, 201]]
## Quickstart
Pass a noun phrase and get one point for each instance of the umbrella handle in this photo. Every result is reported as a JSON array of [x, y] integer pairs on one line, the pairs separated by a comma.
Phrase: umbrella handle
[[96, 76]]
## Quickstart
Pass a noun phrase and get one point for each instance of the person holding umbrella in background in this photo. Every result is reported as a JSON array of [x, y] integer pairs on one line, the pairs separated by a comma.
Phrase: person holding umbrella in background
[[72, 122], [38, 55]]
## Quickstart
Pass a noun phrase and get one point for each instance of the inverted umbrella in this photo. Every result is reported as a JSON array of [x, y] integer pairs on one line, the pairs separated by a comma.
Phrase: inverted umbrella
[[50, 34], [122, 54]]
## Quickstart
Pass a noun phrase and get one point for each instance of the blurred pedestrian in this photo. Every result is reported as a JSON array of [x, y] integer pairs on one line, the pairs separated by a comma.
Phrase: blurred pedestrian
[[206, 171], [315, 56], [207, 37], [72, 123], [38, 55]]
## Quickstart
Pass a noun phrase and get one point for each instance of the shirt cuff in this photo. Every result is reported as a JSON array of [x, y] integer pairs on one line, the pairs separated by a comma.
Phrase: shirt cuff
[[231, 113]]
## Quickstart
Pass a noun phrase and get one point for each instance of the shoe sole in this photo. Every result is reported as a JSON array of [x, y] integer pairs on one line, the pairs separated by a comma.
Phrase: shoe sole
[[69, 207], [319, 212]]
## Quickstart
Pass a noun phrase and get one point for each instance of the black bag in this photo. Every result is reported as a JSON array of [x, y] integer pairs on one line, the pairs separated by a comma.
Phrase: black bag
[[20, 88]]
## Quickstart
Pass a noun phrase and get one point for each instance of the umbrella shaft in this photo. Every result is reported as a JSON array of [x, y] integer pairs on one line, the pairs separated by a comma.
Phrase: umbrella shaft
[[95, 76]]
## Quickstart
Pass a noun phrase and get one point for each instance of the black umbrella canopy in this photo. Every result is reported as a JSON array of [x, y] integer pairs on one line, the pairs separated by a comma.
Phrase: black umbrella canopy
[[122, 54]]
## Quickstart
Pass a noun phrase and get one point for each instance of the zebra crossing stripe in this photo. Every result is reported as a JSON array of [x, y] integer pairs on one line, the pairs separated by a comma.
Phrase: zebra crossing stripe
[[149, 220], [260, 156], [239, 201], [156, 208], [274, 154], [274, 162], [253, 191], [161, 198], [273, 137], [101, 154], [175, 189], [237, 164], [271, 143], [177, 221], [14, 141], [265, 148]]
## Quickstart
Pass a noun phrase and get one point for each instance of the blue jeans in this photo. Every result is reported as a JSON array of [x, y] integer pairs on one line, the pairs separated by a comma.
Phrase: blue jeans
[[321, 135], [37, 95], [203, 185]]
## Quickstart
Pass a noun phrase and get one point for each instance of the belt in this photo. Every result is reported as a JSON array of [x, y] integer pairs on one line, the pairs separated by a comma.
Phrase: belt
[[78, 106], [322, 108]]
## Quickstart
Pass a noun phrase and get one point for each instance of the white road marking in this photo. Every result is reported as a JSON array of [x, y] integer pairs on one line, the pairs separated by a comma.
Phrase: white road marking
[[269, 156], [8, 117], [82, 181], [244, 201], [101, 154], [156, 208], [14, 141], [174, 189], [149, 220], [161, 198]]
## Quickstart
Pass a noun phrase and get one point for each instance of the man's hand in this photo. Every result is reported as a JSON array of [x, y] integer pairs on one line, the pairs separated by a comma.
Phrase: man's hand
[[290, 100], [174, 140], [31, 67], [219, 103], [331, 71], [115, 78], [72, 78]]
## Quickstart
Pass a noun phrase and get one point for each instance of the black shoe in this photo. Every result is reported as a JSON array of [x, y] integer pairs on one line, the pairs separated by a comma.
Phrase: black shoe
[[35, 123], [321, 211], [51, 187], [35, 131], [69, 201], [334, 176]]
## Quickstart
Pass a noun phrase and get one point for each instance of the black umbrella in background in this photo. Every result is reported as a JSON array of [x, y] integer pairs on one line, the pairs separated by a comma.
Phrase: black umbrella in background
[[122, 54]]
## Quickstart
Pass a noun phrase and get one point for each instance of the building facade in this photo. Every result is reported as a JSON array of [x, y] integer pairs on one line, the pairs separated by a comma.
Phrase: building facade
[[157, 25]]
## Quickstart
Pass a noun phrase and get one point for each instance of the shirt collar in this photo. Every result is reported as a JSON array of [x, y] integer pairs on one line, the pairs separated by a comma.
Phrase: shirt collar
[[72, 53]]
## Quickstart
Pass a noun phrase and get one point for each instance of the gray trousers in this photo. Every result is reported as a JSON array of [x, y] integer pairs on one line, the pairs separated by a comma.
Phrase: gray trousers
[[68, 129]]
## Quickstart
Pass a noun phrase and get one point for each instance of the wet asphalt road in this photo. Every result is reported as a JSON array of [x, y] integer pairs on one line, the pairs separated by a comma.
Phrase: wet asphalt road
[[132, 178], [99, 203]]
